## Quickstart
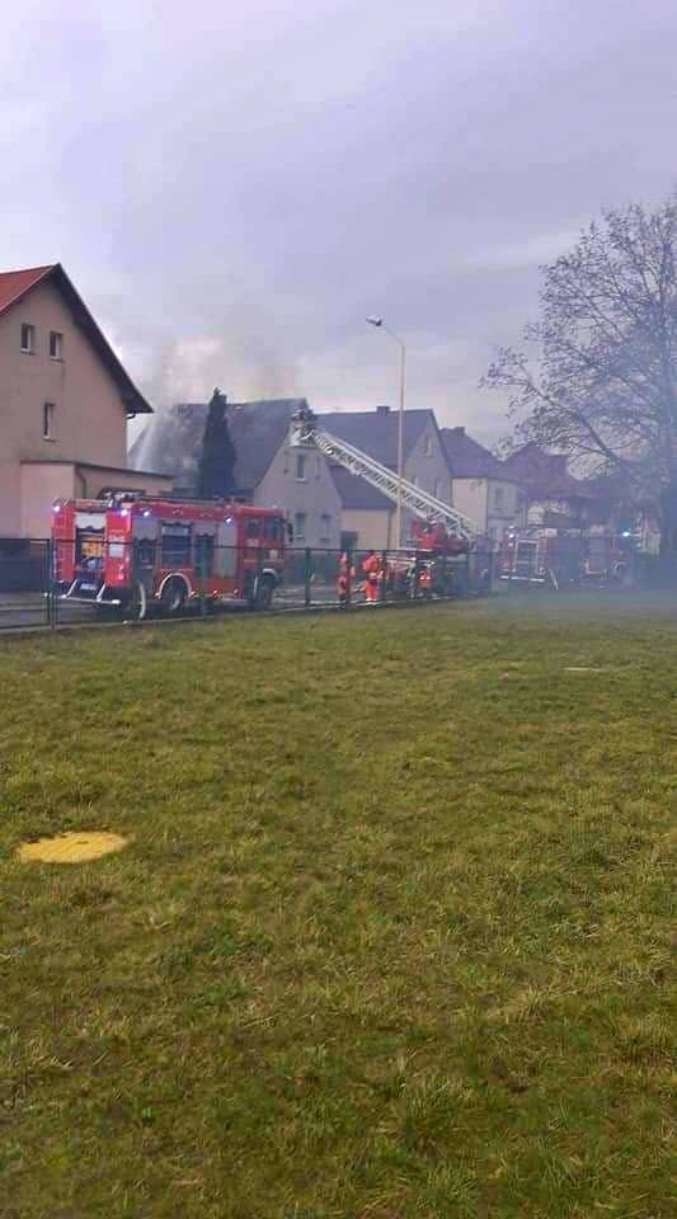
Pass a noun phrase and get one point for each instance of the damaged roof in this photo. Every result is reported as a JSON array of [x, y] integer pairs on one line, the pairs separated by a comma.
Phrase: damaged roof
[[172, 442]]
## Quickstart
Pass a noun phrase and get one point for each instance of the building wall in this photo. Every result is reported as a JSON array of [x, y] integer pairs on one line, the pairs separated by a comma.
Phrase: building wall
[[374, 527], [97, 479], [470, 497], [540, 508], [89, 416], [426, 466], [493, 504], [41, 482], [504, 507], [314, 495]]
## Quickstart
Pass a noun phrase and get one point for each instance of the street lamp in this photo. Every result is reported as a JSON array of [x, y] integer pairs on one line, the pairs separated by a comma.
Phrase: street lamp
[[380, 324]]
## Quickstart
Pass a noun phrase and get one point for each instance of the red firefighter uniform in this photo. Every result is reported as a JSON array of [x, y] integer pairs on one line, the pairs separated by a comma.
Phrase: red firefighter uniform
[[373, 570], [345, 577]]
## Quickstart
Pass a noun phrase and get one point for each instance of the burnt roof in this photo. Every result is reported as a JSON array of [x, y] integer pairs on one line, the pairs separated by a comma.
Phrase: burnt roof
[[257, 430], [15, 285], [172, 443], [468, 458]]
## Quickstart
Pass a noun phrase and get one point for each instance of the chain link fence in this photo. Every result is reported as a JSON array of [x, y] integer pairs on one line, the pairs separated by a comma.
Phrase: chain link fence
[[47, 584]]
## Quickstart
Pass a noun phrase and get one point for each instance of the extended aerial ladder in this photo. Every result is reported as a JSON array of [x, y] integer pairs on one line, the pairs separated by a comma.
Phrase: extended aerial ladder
[[306, 432]]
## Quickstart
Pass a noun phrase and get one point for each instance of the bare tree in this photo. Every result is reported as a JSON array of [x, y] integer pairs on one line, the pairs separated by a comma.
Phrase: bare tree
[[605, 386]]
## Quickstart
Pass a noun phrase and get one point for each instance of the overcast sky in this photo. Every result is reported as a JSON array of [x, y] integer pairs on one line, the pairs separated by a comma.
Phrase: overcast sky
[[234, 185]]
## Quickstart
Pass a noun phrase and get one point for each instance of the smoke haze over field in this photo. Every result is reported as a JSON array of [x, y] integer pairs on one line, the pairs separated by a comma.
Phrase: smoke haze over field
[[233, 188]]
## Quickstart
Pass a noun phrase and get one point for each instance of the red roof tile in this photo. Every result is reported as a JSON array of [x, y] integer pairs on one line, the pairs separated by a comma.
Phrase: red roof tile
[[15, 284]]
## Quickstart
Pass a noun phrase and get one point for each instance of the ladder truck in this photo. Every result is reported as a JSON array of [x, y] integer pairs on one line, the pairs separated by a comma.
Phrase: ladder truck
[[439, 531]]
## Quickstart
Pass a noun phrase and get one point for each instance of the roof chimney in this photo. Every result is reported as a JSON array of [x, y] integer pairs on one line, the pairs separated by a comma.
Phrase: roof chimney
[[458, 431], [382, 410]]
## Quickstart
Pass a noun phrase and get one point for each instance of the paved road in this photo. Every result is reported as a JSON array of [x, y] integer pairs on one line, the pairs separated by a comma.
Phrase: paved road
[[19, 610], [30, 609]]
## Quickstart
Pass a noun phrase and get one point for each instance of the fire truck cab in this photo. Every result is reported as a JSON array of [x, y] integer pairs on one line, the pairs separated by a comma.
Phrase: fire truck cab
[[130, 551]]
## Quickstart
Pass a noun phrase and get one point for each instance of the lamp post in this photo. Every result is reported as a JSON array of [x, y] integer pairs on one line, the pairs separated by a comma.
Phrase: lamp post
[[378, 322]]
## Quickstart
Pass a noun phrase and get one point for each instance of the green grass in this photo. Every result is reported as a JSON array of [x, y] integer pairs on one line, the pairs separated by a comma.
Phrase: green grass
[[393, 936]]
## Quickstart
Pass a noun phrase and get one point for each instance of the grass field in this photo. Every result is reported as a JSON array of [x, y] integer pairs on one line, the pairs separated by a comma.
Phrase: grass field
[[393, 935]]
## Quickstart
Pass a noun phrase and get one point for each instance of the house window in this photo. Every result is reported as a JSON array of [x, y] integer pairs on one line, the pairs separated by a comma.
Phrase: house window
[[325, 527], [48, 412], [300, 527], [301, 467], [55, 345], [498, 498], [27, 338], [427, 445]]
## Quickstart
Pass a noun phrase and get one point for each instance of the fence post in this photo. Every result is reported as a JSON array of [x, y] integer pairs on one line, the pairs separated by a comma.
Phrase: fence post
[[349, 579], [203, 578], [50, 583], [307, 575], [46, 580], [384, 570]]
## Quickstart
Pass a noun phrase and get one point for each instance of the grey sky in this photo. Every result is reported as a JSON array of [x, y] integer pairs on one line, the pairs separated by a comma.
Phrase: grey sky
[[234, 186]]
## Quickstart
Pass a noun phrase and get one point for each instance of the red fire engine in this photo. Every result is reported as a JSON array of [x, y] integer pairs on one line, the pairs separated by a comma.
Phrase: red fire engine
[[560, 557], [130, 551], [437, 563]]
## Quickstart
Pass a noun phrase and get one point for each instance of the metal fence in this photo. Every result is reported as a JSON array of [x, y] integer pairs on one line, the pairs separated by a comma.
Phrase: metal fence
[[38, 587]]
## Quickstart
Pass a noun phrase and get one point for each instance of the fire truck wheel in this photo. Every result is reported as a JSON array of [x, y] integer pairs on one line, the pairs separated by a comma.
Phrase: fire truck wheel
[[135, 609], [263, 593], [173, 596]]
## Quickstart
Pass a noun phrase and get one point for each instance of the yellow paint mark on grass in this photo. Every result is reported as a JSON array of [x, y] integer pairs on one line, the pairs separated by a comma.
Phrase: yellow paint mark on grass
[[73, 847]]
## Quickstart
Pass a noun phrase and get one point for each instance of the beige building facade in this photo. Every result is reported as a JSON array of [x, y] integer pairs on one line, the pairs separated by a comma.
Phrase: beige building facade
[[482, 486], [64, 403]]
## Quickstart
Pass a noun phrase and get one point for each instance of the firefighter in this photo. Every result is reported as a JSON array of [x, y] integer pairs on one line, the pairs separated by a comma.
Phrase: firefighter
[[345, 577], [372, 568]]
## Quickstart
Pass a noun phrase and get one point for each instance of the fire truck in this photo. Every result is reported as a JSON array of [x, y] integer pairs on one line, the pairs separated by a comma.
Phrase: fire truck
[[437, 563], [130, 551], [561, 557]]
